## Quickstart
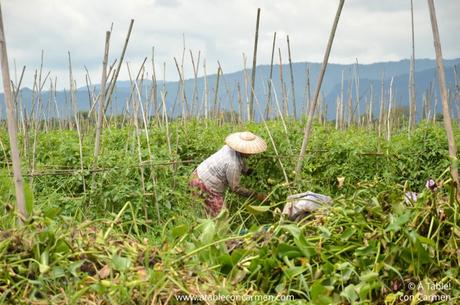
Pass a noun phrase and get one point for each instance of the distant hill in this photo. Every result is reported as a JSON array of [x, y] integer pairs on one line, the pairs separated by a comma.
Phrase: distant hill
[[425, 74]]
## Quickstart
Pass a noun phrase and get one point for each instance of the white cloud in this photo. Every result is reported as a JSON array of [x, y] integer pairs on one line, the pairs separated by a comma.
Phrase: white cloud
[[368, 30]]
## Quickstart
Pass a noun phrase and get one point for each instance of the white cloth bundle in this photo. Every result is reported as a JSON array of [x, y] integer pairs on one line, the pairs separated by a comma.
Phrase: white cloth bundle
[[299, 204]]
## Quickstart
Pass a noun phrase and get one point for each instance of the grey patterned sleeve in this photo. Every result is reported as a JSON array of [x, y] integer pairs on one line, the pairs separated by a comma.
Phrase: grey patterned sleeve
[[233, 176]]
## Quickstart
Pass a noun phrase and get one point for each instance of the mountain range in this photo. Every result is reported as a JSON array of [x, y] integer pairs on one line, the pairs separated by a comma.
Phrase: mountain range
[[370, 75]]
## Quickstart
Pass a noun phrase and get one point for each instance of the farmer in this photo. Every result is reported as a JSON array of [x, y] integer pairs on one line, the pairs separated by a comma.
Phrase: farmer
[[224, 168]]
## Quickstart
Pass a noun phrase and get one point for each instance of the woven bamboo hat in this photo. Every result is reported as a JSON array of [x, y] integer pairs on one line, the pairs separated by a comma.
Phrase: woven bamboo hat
[[246, 142]]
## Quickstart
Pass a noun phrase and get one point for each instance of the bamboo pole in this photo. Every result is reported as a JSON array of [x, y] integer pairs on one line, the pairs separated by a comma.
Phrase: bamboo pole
[[412, 106], [350, 117], [154, 89], [341, 102], [457, 92], [269, 96], [205, 94], [307, 130], [195, 80], [294, 107], [77, 121], [240, 103], [390, 100], [371, 104], [117, 71], [254, 63], [12, 129], [246, 86], [227, 90], [102, 97], [357, 90], [337, 113], [382, 105], [283, 87], [216, 93]]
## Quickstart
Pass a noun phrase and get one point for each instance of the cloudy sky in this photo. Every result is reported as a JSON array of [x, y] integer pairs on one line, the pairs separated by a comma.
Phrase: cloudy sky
[[222, 30]]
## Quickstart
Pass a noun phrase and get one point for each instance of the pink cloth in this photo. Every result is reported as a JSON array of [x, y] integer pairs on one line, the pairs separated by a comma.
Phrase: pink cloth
[[214, 201]]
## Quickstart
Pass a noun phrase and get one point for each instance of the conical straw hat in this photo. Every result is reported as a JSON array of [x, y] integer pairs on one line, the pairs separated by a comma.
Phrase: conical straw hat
[[246, 142]]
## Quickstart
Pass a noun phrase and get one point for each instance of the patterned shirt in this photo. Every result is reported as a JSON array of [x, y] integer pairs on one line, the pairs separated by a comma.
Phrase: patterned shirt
[[221, 169]]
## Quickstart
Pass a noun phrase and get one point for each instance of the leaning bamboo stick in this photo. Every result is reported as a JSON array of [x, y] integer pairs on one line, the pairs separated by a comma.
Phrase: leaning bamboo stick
[[117, 71], [12, 129], [309, 123]]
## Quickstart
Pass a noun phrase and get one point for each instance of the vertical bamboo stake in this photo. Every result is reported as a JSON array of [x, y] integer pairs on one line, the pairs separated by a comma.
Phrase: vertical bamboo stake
[[283, 87], [195, 80], [457, 92], [240, 103], [205, 93], [357, 90], [307, 130], [227, 90], [154, 89], [77, 122], [350, 118], [100, 114], [382, 105], [308, 90], [254, 63], [12, 130], [371, 104], [216, 93], [292, 79], [181, 91], [149, 149], [341, 103], [435, 109], [337, 106], [246, 86], [390, 100], [412, 107], [268, 105]]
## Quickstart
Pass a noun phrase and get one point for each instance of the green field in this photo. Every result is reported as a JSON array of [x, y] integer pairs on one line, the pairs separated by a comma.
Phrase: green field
[[129, 231]]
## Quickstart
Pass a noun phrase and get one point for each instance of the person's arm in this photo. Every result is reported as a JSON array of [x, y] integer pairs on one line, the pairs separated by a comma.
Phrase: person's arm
[[233, 179], [245, 192]]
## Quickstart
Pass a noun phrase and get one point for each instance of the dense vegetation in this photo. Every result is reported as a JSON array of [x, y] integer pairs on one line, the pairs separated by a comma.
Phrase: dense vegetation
[[106, 245]]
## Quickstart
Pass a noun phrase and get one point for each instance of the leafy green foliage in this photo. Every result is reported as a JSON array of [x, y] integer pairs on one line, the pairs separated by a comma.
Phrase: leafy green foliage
[[105, 245]]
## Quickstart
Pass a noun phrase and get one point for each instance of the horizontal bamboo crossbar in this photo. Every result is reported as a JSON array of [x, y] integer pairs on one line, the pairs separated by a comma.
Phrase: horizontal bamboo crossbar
[[56, 170]]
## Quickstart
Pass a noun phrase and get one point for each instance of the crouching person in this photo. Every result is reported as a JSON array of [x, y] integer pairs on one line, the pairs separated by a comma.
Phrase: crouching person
[[223, 169]]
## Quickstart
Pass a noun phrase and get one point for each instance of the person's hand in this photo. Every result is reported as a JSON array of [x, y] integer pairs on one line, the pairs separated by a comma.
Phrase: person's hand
[[261, 196], [248, 171]]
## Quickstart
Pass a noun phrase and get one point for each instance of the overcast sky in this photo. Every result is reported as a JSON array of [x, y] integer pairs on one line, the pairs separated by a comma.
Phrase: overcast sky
[[369, 30]]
